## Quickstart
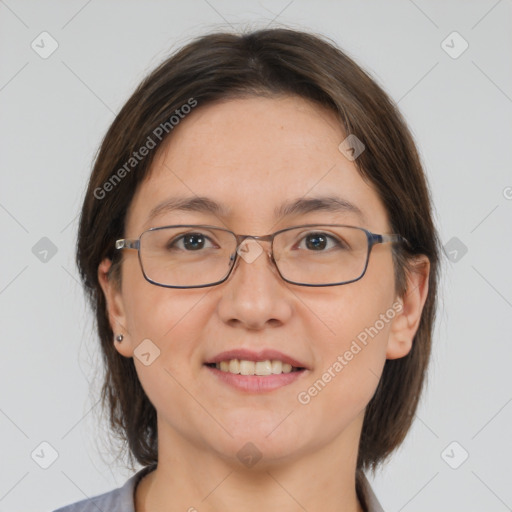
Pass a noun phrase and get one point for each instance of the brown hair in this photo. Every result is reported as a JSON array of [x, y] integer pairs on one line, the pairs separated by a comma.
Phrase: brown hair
[[221, 66]]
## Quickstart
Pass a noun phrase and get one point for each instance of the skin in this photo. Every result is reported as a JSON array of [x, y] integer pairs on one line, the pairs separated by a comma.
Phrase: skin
[[251, 155]]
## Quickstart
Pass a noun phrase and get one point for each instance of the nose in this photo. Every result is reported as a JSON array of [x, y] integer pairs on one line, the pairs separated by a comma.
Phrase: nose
[[254, 296]]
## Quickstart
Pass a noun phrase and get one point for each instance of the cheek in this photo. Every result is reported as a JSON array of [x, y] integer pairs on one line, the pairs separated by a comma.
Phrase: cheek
[[152, 311], [347, 377], [166, 325], [351, 310], [352, 356]]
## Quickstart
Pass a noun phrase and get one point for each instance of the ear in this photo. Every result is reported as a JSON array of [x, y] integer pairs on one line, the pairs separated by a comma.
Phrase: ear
[[406, 322], [115, 308]]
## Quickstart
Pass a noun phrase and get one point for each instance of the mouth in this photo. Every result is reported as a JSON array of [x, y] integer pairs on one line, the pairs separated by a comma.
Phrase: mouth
[[261, 368], [255, 372]]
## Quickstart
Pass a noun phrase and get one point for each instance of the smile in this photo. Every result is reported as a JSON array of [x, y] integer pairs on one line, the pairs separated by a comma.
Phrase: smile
[[255, 371], [245, 367]]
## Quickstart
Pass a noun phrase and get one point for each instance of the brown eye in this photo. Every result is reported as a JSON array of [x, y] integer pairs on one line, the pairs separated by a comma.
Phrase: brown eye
[[320, 241], [189, 242]]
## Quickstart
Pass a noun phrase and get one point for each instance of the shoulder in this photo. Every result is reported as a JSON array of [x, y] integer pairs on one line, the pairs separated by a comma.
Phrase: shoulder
[[117, 500], [109, 501]]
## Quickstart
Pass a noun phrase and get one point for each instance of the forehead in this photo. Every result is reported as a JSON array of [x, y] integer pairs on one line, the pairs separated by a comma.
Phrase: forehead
[[254, 157]]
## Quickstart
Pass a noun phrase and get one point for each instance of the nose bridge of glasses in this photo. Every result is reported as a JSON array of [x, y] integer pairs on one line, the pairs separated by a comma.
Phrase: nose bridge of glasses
[[240, 239], [263, 238], [248, 251]]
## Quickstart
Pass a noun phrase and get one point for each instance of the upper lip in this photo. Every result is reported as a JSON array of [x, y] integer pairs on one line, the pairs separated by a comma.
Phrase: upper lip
[[251, 355]]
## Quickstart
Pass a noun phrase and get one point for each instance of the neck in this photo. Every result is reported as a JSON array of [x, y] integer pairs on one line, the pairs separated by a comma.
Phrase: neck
[[194, 479]]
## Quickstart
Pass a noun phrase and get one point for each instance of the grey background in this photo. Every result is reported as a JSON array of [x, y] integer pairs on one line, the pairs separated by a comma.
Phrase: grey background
[[55, 111]]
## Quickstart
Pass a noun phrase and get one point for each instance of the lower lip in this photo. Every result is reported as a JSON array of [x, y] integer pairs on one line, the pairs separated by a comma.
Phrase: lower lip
[[256, 383]]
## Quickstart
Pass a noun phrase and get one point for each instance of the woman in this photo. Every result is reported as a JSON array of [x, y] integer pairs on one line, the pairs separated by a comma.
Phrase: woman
[[257, 244]]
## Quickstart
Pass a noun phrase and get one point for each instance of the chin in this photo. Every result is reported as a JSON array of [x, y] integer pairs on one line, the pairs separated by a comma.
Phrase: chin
[[258, 438], [258, 453]]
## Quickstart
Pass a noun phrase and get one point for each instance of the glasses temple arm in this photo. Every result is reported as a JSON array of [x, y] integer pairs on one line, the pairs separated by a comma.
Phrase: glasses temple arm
[[126, 243], [394, 238]]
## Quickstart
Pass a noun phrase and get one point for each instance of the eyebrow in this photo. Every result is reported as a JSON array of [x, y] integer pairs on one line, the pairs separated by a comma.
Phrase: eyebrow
[[300, 206]]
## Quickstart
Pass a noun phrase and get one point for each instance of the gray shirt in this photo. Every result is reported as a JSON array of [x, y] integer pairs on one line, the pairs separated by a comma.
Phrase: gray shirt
[[122, 499]]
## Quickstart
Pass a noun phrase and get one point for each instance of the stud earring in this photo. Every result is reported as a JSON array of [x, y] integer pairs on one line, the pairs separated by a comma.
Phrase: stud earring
[[119, 338]]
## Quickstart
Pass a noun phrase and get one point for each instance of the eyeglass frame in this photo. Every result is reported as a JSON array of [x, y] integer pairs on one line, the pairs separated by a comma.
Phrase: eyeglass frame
[[372, 240]]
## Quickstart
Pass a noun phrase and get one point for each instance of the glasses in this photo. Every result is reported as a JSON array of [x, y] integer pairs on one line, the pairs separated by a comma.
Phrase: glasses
[[192, 256]]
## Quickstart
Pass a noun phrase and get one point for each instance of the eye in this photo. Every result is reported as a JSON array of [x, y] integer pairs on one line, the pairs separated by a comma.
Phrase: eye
[[190, 242], [320, 241]]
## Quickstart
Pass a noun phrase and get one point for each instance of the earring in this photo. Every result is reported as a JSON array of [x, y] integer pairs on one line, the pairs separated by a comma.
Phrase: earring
[[119, 338]]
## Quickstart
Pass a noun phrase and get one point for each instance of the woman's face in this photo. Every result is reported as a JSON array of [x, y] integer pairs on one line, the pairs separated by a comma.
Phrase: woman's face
[[251, 156]]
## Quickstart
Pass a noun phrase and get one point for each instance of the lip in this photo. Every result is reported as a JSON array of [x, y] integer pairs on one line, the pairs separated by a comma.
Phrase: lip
[[256, 383], [251, 355]]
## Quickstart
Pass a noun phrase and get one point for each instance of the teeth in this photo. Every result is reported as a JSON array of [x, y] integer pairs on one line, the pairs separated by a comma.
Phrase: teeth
[[247, 367], [244, 367], [233, 366], [263, 368], [276, 366]]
